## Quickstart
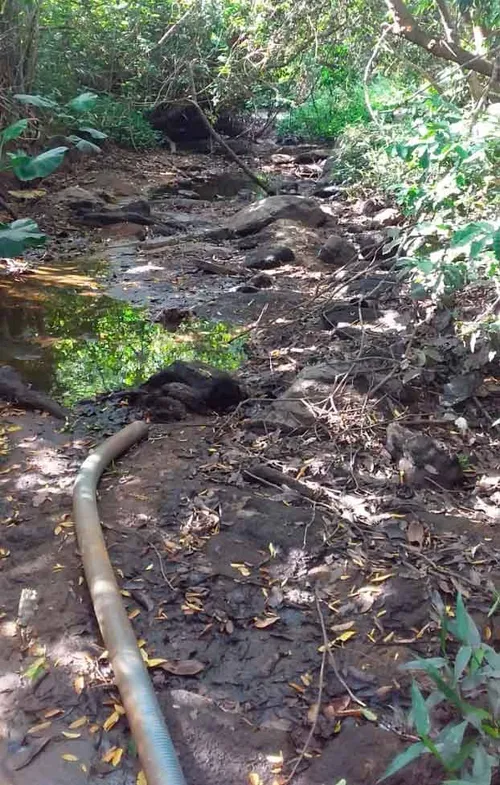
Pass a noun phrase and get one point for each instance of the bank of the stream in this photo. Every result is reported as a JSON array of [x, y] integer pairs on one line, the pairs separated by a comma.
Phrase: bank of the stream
[[242, 543]]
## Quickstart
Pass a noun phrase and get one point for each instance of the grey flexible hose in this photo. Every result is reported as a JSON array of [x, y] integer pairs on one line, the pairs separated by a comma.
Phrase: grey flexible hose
[[154, 745]]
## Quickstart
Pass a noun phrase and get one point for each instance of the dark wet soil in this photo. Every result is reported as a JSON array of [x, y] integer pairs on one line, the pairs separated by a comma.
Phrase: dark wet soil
[[227, 579]]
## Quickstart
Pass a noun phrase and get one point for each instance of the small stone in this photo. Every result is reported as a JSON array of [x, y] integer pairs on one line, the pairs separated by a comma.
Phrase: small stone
[[261, 281], [388, 217], [338, 251], [269, 258]]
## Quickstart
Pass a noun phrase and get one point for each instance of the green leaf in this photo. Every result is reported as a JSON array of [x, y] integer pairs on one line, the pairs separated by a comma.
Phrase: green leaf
[[404, 758], [463, 237], [93, 132], [496, 245], [419, 711], [84, 145], [40, 165], [37, 100], [464, 627], [13, 131], [83, 102], [19, 235], [450, 739], [482, 766], [424, 665], [462, 660]]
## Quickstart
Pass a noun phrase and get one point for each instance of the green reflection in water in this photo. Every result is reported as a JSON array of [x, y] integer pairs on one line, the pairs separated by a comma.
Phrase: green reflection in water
[[104, 344]]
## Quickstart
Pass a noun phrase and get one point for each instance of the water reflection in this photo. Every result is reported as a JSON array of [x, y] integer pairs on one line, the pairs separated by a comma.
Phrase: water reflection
[[75, 342]]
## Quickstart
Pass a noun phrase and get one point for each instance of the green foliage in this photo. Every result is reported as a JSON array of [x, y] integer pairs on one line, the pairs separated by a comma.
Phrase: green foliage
[[67, 118], [123, 124], [19, 235], [31, 167], [122, 348], [325, 114], [468, 747]]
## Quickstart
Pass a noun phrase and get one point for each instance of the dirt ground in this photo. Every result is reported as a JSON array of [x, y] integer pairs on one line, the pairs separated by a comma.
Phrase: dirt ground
[[235, 578]]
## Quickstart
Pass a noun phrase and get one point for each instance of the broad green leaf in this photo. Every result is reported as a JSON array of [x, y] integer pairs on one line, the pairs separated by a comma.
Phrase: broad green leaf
[[464, 627], [496, 245], [84, 145], [93, 132], [83, 102], [482, 766], [13, 131], [462, 660], [450, 739], [40, 165], [404, 758], [19, 235], [419, 712], [37, 100], [463, 237]]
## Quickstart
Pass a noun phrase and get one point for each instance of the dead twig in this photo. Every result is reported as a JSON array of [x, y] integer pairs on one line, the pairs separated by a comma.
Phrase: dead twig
[[307, 742], [331, 656]]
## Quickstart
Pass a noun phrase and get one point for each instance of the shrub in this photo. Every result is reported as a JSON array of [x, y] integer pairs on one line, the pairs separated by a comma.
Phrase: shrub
[[468, 685], [124, 124]]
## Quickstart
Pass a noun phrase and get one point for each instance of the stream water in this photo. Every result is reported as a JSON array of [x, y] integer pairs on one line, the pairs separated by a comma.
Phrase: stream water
[[68, 338]]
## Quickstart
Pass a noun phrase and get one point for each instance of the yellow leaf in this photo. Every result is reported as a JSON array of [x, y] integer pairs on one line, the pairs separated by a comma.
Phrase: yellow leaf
[[155, 662], [254, 778], [4, 553], [70, 758], [83, 768], [261, 624], [141, 779], [133, 614], [108, 756], [35, 193], [144, 655], [275, 759], [93, 728], [306, 679], [57, 530], [242, 568], [68, 735], [39, 727], [149, 567], [141, 642], [53, 713], [125, 593], [79, 723], [79, 684], [345, 636], [111, 721], [296, 687], [380, 578], [58, 567], [115, 760]]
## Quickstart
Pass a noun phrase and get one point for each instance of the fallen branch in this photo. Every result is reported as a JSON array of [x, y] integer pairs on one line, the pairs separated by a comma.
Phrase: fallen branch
[[218, 138]]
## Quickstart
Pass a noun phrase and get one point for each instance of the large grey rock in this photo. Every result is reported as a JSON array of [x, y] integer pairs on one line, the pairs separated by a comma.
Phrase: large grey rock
[[79, 198], [338, 251], [258, 215], [314, 384]]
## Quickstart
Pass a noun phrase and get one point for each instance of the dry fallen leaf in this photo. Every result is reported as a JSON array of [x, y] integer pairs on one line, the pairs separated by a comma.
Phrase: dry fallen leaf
[[156, 661], [68, 735], [37, 728], [117, 756], [111, 721], [79, 723], [52, 713], [182, 667], [242, 568], [141, 779], [108, 756], [415, 533], [312, 713], [261, 624], [254, 778], [70, 758]]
